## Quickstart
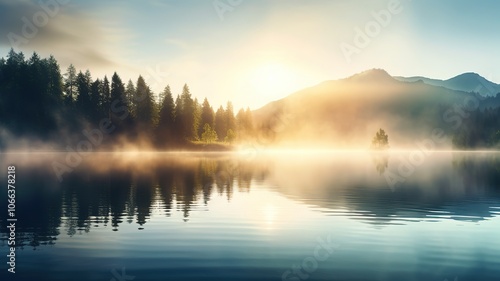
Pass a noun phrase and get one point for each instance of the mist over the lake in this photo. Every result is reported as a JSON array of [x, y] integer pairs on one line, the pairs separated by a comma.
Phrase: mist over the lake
[[233, 140]]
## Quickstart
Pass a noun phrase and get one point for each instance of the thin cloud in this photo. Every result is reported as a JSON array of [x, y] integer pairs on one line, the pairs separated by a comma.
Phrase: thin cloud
[[72, 35]]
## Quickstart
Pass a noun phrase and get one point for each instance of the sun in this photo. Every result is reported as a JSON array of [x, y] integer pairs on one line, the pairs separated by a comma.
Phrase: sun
[[273, 80]]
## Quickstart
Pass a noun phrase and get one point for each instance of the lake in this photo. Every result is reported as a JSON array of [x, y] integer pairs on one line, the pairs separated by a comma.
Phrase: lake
[[254, 216]]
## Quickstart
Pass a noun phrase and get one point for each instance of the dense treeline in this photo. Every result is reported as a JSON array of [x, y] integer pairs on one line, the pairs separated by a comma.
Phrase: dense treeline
[[38, 101], [480, 129], [42, 104]]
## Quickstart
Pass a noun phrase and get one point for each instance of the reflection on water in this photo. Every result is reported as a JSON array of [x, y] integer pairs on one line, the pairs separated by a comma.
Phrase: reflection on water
[[228, 217], [381, 162]]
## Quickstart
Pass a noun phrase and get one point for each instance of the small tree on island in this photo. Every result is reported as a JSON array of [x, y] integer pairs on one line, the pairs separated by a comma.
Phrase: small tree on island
[[381, 140]]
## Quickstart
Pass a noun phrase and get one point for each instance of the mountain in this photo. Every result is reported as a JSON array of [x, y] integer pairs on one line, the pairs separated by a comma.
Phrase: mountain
[[467, 82], [348, 112]]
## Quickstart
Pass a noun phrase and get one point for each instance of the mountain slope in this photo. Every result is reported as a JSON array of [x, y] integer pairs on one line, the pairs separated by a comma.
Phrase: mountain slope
[[467, 82], [348, 112]]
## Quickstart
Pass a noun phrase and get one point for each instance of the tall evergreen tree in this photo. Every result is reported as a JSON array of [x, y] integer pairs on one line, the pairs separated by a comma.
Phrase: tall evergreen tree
[[35, 90], [167, 118], [188, 113], [145, 105], [240, 123], [119, 106], [230, 119], [106, 96], [130, 94], [83, 101], [55, 86], [196, 120], [207, 115], [70, 85], [13, 71], [220, 123], [179, 120], [244, 124], [95, 100], [117, 88]]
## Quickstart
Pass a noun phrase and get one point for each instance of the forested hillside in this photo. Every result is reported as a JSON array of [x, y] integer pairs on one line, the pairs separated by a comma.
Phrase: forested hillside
[[41, 105], [43, 108]]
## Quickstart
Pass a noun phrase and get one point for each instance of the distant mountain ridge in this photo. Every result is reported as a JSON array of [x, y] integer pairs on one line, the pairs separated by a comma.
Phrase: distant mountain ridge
[[347, 112], [467, 82]]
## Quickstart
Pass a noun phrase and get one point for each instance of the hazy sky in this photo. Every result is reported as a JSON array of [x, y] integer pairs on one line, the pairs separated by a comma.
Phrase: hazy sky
[[256, 51]]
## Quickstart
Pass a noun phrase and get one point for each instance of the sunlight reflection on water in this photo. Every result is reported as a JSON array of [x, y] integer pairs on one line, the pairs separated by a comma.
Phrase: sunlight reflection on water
[[228, 217]]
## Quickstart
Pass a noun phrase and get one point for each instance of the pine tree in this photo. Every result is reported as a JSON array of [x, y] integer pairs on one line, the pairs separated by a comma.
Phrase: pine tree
[[230, 119], [249, 126], [35, 90], [119, 105], [240, 123], [95, 100], [130, 94], [55, 87], [70, 85], [145, 105], [83, 102], [220, 123], [13, 96], [117, 89], [188, 114], [106, 96], [207, 115], [179, 120], [167, 117], [196, 120]]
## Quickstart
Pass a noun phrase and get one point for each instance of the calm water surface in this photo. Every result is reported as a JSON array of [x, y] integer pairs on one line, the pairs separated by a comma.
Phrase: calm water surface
[[329, 216]]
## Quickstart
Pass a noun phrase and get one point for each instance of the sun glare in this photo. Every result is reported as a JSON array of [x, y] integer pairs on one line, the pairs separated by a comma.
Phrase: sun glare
[[273, 79], [269, 214]]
